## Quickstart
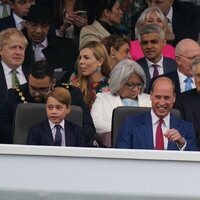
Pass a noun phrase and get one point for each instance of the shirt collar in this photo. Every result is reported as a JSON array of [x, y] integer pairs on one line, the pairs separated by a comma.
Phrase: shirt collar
[[169, 14], [182, 77], [8, 69], [17, 19], [160, 63], [52, 125], [155, 118], [44, 44]]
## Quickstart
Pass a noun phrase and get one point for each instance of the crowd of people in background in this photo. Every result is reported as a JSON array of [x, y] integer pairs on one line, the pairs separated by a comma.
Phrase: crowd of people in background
[[100, 55]]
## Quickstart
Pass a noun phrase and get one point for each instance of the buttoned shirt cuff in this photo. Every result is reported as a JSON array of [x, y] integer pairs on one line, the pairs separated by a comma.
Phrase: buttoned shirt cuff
[[59, 33], [183, 147]]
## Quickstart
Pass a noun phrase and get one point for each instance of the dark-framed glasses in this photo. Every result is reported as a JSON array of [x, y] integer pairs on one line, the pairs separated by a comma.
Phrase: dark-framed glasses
[[44, 90], [134, 85]]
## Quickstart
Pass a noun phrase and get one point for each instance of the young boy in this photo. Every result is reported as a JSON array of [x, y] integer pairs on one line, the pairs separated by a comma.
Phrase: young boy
[[55, 130]]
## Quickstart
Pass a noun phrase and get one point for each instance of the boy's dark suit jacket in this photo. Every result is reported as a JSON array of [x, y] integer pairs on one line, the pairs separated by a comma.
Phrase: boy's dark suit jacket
[[41, 134]]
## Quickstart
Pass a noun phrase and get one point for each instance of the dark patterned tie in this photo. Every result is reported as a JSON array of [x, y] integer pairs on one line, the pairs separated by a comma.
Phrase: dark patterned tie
[[58, 136], [159, 136], [155, 71]]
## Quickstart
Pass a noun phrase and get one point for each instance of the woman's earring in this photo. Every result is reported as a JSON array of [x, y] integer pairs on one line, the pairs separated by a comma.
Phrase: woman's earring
[[113, 57], [99, 68]]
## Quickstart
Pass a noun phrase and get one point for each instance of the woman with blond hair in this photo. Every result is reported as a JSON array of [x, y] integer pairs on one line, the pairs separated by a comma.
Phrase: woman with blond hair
[[93, 70], [152, 15]]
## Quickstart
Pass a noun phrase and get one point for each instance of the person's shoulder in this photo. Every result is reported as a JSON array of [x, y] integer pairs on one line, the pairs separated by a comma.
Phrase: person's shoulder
[[188, 94], [18, 93], [72, 89]]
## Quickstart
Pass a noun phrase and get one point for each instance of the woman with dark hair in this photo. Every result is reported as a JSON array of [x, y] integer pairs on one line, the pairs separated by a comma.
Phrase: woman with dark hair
[[118, 48], [107, 14]]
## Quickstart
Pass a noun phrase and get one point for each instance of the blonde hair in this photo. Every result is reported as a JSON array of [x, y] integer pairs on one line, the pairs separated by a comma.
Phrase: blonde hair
[[146, 14], [11, 34], [100, 52]]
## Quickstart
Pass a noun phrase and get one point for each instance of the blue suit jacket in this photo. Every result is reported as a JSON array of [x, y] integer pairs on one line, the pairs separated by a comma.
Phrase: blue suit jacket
[[40, 134], [137, 133], [168, 66]]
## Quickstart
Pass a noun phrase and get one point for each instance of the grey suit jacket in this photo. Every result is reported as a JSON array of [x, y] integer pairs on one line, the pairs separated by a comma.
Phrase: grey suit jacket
[[168, 64], [94, 32]]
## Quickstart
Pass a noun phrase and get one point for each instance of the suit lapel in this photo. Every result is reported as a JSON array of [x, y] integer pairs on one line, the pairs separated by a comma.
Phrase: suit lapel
[[2, 82], [69, 136], [48, 137], [173, 124], [147, 130]]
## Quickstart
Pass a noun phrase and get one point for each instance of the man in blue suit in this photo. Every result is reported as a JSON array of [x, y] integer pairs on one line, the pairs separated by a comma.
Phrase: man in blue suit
[[143, 131]]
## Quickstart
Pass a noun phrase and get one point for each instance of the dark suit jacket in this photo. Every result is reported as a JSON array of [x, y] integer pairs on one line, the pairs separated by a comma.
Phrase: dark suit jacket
[[174, 77], [168, 65], [14, 97], [3, 85], [7, 22], [188, 103], [40, 134], [61, 53], [137, 133]]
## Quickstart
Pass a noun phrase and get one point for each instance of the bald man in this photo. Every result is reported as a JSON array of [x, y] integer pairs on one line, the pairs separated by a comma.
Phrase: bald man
[[158, 128], [186, 51]]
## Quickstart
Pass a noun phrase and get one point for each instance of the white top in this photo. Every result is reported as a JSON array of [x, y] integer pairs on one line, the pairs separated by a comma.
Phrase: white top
[[103, 107], [8, 75]]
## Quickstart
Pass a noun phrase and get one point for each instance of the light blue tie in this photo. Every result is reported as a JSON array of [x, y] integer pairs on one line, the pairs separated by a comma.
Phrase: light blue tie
[[188, 83]]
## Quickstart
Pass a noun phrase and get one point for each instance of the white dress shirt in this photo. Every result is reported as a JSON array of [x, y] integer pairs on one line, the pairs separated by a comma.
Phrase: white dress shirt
[[165, 127], [18, 22], [160, 67], [62, 130], [8, 75], [182, 78], [37, 48]]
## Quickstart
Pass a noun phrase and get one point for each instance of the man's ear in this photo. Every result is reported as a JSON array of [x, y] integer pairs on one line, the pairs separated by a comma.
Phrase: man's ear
[[54, 83]]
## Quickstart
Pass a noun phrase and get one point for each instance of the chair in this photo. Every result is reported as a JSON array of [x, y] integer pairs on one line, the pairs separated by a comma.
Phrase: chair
[[29, 114], [122, 112]]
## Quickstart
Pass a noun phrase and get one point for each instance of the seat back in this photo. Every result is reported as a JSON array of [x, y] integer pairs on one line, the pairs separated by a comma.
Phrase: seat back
[[28, 114], [122, 112]]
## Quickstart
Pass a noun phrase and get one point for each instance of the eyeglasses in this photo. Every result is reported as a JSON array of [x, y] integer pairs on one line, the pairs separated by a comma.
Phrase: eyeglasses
[[133, 85], [40, 90], [189, 58]]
